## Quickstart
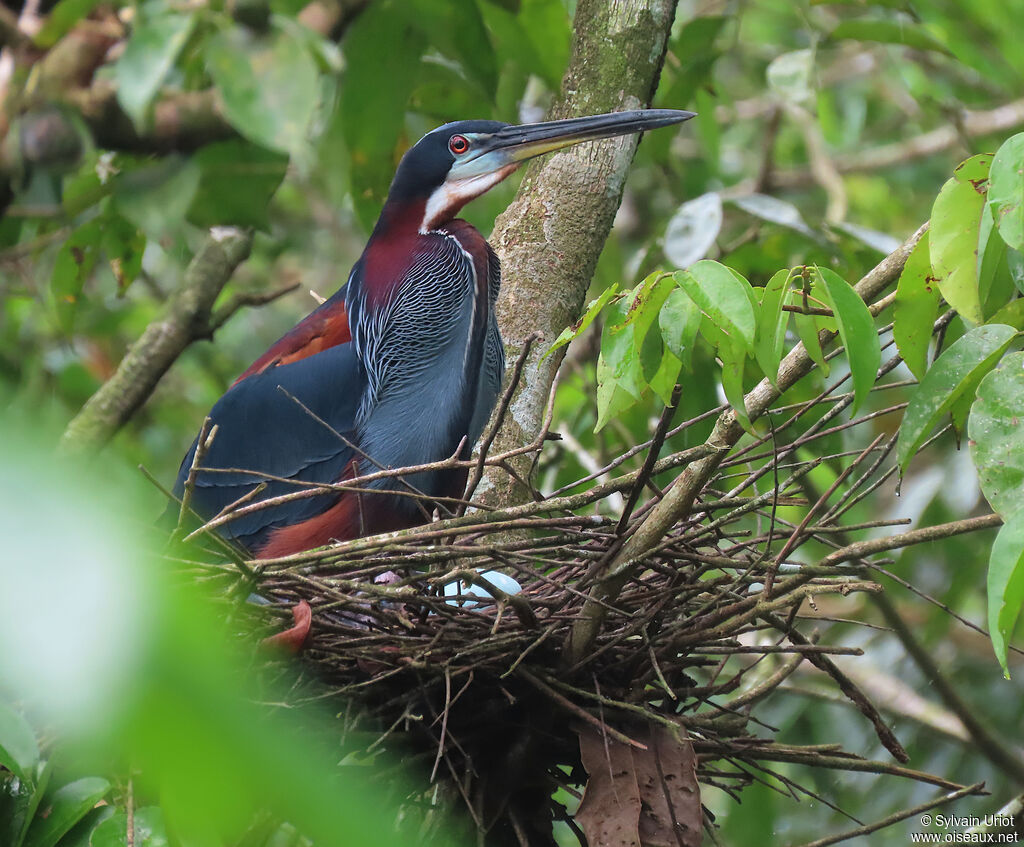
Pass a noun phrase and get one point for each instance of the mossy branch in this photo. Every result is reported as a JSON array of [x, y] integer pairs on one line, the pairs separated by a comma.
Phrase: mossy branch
[[186, 317]]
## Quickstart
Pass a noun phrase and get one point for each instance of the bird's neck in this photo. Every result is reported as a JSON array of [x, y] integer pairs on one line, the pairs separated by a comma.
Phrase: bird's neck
[[400, 219]]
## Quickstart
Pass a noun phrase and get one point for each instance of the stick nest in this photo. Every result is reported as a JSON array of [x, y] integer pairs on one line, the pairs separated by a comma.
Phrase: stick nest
[[485, 692]]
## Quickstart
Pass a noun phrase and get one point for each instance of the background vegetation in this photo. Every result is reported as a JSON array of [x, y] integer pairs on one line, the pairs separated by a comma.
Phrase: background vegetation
[[826, 133]]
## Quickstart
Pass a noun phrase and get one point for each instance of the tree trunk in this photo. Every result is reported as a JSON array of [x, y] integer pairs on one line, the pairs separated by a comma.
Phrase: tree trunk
[[550, 238]]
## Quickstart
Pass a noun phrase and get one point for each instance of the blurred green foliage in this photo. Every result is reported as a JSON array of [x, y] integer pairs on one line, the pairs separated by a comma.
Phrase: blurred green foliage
[[314, 128]]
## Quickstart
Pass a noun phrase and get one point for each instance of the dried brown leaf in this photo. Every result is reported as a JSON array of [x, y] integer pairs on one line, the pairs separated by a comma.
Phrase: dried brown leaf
[[609, 813]]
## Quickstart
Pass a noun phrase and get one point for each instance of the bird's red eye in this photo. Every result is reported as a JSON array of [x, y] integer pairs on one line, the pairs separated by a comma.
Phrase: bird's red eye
[[458, 144]]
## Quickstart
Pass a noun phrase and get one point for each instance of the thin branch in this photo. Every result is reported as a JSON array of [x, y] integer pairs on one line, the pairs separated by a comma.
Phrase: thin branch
[[679, 499], [861, 549], [975, 124], [184, 319], [897, 817]]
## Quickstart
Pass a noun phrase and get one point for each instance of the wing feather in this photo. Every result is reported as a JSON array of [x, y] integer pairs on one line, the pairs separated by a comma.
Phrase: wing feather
[[263, 432]]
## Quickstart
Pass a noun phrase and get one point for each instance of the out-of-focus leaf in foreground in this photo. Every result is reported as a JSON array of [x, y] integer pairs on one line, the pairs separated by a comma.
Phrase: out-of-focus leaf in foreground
[[128, 664]]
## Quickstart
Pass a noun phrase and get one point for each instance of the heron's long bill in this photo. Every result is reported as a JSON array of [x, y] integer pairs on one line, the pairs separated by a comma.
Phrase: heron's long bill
[[518, 143]]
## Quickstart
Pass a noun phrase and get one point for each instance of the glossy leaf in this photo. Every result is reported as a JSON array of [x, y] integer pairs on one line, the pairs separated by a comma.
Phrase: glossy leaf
[[620, 379], [1005, 584], [955, 225], [857, 331], [693, 229], [646, 305], [33, 791], [1006, 190], [237, 180], [64, 808], [733, 357], [81, 834], [19, 751], [997, 447], [997, 438], [775, 211], [915, 309], [1012, 314], [955, 373], [807, 328], [149, 829], [148, 57], [1015, 267], [268, 85], [772, 321], [679, 321], [664, 380], [994, 282], [887, 31], [722, 297], [577, 329]]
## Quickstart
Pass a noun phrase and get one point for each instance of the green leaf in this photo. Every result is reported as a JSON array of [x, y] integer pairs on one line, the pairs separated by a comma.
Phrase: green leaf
[[66, 807], [650, 353], [772, 321], [733, 357], [1015, 267], [61, 19], [80, 835], [149, 829], [955, 225], [75, 261], [889, 32], [268, 85], [382, 50], [974, 171], [570, 333], [857, 331], [155, 197], [456, 29], [997, 438], [693, 229], [917, 303], [995, 286], [148, 57], [620, 380], [237, 179], [955, 373], [1006, 190], [807, 329], [33, 792], [664, 381], [723, 297], [679, 321], [113, 832], [646, 305], [19, 752], [1005, 584], [1012, 314]]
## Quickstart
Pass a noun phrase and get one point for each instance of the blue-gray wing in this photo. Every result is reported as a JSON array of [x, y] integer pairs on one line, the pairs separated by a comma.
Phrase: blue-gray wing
[[263, 432]]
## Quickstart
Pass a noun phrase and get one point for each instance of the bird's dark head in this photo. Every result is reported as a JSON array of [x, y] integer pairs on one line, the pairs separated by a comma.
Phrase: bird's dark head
[[456, 162]]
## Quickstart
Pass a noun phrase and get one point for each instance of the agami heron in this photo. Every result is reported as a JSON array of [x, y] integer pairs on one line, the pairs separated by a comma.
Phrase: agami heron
[[396, 369]]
